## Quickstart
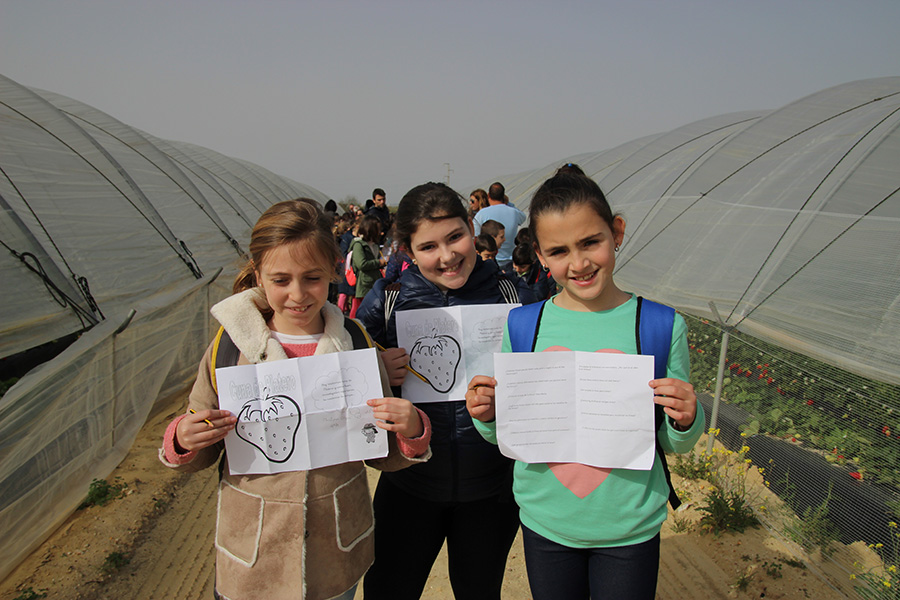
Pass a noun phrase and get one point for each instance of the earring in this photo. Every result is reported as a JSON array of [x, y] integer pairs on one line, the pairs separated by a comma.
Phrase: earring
[[545, 268], [617, 248], [415, 262]]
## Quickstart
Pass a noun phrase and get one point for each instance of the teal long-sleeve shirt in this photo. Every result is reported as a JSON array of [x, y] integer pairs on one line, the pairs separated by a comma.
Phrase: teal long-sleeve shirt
[[619, 507]]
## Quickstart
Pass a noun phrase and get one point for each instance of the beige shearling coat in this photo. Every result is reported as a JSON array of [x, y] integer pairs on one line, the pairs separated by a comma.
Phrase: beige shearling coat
[[303, 534]]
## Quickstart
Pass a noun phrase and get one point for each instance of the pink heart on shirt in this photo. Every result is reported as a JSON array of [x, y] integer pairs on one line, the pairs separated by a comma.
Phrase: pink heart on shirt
[[579, 479]]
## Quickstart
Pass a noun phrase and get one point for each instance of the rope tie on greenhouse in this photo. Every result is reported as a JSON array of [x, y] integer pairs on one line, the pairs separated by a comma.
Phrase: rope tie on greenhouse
[[237, 246], [86, 292], [190, 261], [59, 296]]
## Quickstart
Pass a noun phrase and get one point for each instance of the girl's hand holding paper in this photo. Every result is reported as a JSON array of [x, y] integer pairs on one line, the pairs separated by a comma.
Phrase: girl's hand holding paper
[[480, 398]]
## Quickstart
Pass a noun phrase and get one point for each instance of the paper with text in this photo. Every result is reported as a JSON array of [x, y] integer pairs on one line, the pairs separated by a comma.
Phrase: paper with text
[[448, 346], [583, 407], [302, 413]]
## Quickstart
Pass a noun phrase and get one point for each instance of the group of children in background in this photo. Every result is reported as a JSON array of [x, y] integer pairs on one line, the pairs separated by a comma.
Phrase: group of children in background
[[588, 532], [379, 254]]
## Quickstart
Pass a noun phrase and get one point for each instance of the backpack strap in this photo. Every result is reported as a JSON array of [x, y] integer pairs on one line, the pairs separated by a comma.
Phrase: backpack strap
[[224, 354], [358, 334], [508, 289], [653, 335], [391, 293], [523, 323]]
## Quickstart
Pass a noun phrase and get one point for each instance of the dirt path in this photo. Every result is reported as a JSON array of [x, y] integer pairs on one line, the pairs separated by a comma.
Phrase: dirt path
[[164, 527]]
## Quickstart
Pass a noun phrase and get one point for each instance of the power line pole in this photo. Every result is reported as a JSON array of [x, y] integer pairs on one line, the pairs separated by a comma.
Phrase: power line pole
[[449, 170]]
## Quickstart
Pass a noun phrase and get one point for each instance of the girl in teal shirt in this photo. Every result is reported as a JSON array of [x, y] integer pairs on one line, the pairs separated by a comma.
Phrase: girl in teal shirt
[[589, 531]]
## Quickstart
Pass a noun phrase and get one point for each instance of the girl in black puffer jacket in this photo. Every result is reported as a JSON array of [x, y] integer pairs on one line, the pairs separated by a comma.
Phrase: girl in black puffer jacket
[[463, 494]]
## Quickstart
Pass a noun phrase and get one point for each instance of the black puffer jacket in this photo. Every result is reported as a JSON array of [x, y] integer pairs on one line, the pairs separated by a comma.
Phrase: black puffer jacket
[[463, 466]]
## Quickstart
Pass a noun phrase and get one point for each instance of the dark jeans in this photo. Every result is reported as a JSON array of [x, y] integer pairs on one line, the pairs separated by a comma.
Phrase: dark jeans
[[409, 533], [557, 572]]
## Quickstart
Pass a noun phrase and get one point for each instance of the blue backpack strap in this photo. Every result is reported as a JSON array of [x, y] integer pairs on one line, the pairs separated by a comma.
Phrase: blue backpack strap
[[653, 334], [523, 323]]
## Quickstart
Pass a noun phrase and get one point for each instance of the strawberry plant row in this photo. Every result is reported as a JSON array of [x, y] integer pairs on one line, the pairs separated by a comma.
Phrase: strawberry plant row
[[851, 420]]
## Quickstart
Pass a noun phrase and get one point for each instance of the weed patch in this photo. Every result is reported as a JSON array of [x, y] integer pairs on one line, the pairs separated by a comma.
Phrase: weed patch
[[101, 491], [692, 465], [114, 562], [726, 510], [29, 594], [815, 529]]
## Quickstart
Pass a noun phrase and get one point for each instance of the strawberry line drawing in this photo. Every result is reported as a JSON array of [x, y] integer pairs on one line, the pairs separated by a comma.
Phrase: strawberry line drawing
[[435, 358], [276, 429]]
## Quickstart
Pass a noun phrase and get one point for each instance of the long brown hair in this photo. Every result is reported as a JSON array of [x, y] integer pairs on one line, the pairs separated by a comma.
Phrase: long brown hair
[[286, 222], [481, 198], [431, 202]]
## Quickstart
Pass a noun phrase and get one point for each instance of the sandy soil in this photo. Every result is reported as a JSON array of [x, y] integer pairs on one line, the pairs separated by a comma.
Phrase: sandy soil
[[163, 526]]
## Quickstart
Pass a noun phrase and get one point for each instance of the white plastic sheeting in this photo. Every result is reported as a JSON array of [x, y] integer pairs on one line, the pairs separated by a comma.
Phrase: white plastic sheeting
[[787, 220], [110, 214], [97, 220]]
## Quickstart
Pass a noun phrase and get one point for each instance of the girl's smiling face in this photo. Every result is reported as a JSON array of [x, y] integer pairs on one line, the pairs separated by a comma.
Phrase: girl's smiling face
[[579, 248], [444, 252], [296, 286]]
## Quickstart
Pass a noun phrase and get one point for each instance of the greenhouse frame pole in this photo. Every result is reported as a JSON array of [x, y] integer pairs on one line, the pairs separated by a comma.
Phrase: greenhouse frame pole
[[720, 377]]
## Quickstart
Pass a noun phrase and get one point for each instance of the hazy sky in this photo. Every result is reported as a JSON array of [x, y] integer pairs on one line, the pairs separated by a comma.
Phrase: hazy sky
[[349, 95]]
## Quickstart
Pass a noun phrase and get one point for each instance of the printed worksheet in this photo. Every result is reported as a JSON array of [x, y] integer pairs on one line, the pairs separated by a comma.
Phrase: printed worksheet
[[583, 407], [302, 413], [448, 346]]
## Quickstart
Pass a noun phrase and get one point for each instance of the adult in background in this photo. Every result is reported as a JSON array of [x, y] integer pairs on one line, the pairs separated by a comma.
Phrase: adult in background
[[478, 199], [511, 217], [380, 211]]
